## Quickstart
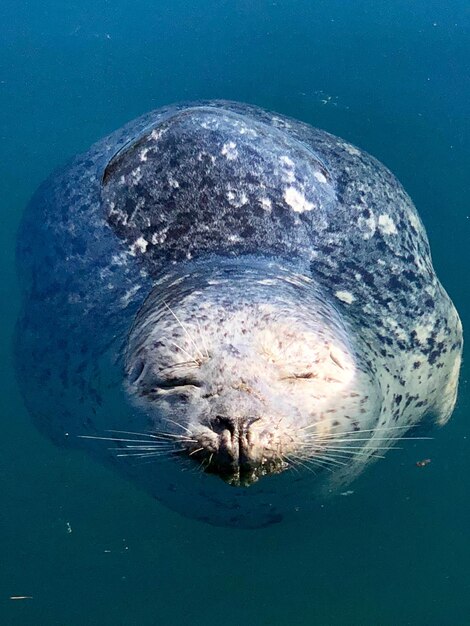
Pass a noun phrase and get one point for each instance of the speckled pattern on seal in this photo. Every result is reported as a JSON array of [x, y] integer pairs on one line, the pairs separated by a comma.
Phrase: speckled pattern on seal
[[186, 182], [297, 191]]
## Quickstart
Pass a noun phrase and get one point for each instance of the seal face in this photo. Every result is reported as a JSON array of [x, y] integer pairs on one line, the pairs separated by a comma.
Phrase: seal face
[[238, 291]]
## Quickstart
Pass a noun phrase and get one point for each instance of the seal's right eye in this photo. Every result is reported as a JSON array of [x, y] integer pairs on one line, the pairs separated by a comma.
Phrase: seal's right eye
[[300, 375], [170, 383]]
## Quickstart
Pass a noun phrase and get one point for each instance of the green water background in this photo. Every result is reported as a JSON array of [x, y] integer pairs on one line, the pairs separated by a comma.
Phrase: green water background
[[390, 76]]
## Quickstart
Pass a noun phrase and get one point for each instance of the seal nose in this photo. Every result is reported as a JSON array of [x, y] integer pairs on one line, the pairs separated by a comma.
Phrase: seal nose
[[235, 426], [234, 439], [238, 453], [221, 423]]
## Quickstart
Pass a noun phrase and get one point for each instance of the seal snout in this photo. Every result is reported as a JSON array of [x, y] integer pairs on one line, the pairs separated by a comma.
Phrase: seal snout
[[234, 439], [233, 449]]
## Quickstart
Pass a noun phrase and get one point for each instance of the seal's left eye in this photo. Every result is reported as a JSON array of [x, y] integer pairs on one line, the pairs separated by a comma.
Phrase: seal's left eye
[[170, 383], [304, 375]]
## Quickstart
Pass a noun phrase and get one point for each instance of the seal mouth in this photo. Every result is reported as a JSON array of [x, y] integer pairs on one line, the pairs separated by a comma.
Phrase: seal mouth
[[238, 474]]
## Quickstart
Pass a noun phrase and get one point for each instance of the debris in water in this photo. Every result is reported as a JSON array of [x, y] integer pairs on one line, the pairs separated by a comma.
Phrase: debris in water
[[423, 463]]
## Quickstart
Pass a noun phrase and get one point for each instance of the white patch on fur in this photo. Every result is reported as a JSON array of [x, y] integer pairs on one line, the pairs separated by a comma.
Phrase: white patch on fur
[[136, 176], [229, 151], [266, 204], [320, 177], [237, 199], [369, 224], [157, 133], [201, 155], [287, 164], [414, 221], [287, 161], [159, 237], [345, 296], [448, 394], [387, 225], [139, 245], [297, 201], [350, 149]]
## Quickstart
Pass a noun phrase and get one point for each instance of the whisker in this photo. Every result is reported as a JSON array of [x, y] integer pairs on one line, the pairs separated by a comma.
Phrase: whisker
[[202, 337], [113, 439], [129, 432], [184, 328], [291, 463], [299, 462], [322, 464], [362, 430], [152, 460], [191, 363], [170, 446], [201, 466], [158, 435], [327, 447], [345, 451], [194, 451], [372, 439], [305, 466], [142, 454], [310, 459], [155, 439], [326, 457], [183, 350], [205, 465], [167, 419], [343, 455]]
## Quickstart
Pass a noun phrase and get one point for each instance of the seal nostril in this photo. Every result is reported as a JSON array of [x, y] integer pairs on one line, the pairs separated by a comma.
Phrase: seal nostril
[[220, 423]]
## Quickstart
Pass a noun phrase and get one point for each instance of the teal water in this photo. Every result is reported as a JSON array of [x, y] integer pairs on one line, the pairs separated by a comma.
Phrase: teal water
[[390, 76]]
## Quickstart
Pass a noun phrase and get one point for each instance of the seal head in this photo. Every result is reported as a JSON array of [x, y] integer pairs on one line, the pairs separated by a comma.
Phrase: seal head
[[251, 365]]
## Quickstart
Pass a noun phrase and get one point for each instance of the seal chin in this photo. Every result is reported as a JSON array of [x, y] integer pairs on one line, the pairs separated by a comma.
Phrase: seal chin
[[247, 476]]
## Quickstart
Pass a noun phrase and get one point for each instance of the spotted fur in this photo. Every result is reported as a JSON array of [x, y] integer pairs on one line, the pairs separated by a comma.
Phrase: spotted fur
[[189, 185]]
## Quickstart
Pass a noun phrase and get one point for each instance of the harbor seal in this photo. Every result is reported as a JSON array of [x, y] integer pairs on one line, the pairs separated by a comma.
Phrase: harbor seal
[[219, 288]]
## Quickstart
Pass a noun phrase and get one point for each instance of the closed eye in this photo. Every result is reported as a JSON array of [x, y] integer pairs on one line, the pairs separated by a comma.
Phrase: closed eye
[[300, 375], [170, 383]]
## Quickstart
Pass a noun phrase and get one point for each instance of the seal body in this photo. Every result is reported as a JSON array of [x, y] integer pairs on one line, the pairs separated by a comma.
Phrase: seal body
[[219, 288]]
